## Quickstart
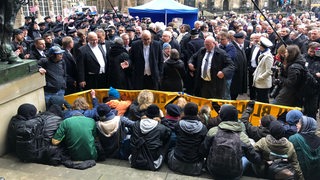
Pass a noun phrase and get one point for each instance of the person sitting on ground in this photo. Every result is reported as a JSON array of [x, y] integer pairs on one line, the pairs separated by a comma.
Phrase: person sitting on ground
[[137, 108], [307, 146], [112, 132], [81, 107], [78, 134], [155, 137], [25, 112], [206, 119], [115, 102], [172, 117], [276, 143], [185, 157], [292, 118], [220, 163], [256, 132]]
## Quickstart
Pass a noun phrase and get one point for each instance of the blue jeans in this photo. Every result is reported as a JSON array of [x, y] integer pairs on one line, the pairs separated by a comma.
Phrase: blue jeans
[[48, 95], [227, 95]]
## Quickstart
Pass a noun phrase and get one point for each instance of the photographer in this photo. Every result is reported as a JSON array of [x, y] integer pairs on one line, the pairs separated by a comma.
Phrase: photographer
[[291, 78], [276, 69], [311, 101]]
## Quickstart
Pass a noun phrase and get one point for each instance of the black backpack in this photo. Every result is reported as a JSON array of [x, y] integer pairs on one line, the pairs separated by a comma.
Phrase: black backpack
[[141, 157], [280, 168], [30, 145], [225, 154]]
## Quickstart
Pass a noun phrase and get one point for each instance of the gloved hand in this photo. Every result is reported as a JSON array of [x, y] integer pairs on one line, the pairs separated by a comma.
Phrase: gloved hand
[[250, 104], [216, 106]]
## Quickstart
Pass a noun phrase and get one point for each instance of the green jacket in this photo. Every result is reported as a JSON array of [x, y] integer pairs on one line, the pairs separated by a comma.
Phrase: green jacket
[[233, 126], [282, 146]]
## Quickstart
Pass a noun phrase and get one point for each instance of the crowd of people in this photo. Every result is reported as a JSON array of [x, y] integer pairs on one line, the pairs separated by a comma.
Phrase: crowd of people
[[220, 58]]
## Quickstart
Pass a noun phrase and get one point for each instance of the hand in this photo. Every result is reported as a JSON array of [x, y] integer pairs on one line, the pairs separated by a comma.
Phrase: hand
[[318, 74], [251, 104], [191, 67], [124, 64], [220, 75], [42, 71], [82, 84], [93, 93], [216, 107], [27, 56]]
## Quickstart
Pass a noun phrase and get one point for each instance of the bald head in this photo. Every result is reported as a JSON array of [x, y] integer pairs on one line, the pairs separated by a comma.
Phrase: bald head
[[146, 37], [209, 43], [93, 38]]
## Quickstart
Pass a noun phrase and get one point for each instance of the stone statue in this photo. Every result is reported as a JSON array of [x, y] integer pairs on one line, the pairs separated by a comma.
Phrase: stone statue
[[8, 13]]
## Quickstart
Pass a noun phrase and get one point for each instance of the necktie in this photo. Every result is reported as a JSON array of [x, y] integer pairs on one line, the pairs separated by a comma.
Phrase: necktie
[[206, 64]]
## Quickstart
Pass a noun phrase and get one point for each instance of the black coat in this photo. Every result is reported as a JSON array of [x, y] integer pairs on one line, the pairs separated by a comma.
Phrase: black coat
[[291, 81], [155, 139], [72, 72], [220, 62], [138, 63], [239, 83], [188, 144], [118, 77], [88, 63], [173, 74]]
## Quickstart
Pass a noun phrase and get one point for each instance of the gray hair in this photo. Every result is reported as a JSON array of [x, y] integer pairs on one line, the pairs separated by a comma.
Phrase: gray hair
[[118, 40]]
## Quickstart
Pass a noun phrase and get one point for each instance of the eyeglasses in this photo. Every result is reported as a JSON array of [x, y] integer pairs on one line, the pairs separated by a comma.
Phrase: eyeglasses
[[146, 39]]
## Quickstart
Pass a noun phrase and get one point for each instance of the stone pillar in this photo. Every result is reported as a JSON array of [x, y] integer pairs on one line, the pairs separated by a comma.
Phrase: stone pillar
[[19, 19]]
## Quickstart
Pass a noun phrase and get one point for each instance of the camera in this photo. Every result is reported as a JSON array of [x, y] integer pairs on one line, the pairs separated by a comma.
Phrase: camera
[[276, 89]]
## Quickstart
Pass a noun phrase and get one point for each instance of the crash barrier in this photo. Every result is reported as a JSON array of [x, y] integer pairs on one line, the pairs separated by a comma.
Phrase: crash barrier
[[162, 98]]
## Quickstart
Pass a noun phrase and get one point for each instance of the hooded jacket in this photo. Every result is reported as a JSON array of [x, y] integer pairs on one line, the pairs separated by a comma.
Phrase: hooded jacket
[[154, 133], [190, 134], [282, 146]]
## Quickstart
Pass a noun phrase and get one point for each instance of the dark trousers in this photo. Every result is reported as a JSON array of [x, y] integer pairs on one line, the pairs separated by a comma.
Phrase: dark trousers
[[262, 95], [207, 90], [148, 82], [96, 81]]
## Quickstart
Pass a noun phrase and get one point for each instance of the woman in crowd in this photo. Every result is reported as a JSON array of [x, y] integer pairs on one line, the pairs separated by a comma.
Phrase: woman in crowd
[[307, 146], [173, 73], [291, 78]]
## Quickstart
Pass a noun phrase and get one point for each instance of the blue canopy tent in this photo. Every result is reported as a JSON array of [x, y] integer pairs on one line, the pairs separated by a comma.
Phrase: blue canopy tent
[[165, 10]]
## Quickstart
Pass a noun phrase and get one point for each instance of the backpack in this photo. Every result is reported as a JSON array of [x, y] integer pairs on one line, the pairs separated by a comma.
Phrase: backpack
[[225, 154], [30, 145], [141, 157], [280, 168]]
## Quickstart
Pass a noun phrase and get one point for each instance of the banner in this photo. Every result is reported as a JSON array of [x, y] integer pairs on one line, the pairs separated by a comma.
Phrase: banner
[[162, 98]]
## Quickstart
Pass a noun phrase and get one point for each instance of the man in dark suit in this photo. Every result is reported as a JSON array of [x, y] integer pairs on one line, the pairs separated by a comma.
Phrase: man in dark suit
[[38, 49], [147, 60], [103, 41], [71, 65], [210, 64], [92, 64], [239, 79]]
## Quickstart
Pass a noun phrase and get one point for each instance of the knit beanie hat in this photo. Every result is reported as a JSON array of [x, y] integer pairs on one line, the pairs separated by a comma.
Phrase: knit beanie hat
[[228, 112], [277, 130], [266, 120], [166, 45], [293, 117], [27, 110], [153, 111], [104, 110], [114, 93], [190, 109], [173, 110]]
